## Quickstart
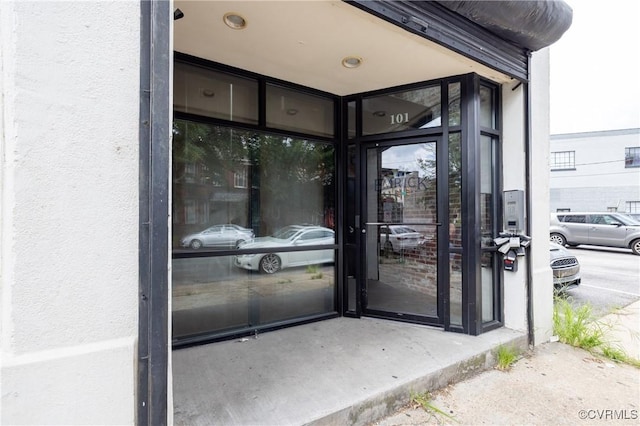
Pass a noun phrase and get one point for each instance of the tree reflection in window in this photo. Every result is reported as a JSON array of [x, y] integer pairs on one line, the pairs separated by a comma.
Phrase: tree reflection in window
[[286, 180]]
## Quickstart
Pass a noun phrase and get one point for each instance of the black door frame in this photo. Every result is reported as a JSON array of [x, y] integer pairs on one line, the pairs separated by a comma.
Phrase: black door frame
[[470, 131], [442, 254]]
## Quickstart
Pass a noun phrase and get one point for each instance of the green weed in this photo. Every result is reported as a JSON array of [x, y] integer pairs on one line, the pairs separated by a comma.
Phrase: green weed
[[576, 326], [615, 354], [312, 269], [424, 400], [506, 357]]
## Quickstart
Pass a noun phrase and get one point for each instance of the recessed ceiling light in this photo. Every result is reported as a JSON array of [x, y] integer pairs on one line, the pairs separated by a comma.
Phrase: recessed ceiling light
[[234, 20], [351, 62]]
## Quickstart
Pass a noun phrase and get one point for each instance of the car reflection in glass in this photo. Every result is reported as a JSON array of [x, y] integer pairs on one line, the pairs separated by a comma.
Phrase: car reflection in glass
[[398, 238], [225, 236], [289, 236]]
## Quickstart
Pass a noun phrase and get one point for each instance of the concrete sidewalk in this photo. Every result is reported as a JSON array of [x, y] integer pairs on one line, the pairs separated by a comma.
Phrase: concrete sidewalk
[[625, 329], [342, 371], [554, 384], [361, 371]]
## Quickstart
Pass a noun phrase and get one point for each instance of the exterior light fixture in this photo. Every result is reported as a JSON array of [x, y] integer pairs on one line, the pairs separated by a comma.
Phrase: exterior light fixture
[[379, 113], [208, 93], [235, 21], [292, 111], [351, 62]]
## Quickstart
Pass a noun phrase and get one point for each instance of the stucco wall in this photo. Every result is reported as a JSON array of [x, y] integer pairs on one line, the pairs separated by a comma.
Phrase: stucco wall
[[70, 82], [542, 278], [516, 293], [514, 178]]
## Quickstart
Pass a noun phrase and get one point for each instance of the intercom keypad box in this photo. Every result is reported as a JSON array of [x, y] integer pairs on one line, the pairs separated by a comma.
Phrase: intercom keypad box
[[514, 210]]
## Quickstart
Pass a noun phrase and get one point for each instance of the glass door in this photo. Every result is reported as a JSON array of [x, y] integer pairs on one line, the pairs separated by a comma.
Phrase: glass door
[[400, 232]]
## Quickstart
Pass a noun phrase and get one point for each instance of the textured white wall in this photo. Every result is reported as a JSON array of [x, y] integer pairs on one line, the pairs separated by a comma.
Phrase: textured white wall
[[513, 151], [70, 84], [542, 278], [514, 160]]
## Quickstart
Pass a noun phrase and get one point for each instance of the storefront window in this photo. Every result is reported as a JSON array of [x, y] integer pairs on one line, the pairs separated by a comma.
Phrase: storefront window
[[487, 226], [351, 120], [455, 229], [289, 109], [454, 104], [200, 91], [414, 109], [487, 107], [245, 203]]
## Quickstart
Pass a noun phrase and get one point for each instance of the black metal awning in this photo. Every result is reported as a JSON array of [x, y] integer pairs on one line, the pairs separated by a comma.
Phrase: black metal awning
[[532, 24], [499, 34]]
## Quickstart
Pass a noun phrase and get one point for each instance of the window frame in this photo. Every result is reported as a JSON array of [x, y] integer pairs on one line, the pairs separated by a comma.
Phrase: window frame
[[247, 173], [631, 157], [556, 166]]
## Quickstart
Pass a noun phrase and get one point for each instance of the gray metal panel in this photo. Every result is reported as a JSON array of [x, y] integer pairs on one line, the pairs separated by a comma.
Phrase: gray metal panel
[[153, 258]]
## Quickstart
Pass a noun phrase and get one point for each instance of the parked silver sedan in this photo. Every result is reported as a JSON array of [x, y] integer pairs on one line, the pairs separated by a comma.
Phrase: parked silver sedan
[[226, 236]]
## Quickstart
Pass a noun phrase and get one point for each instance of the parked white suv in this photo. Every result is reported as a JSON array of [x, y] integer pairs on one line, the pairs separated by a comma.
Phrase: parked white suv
[[599, 229]]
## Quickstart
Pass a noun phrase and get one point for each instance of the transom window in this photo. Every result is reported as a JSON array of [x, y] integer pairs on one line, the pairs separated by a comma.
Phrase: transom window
[[406, 110], [563, 160]]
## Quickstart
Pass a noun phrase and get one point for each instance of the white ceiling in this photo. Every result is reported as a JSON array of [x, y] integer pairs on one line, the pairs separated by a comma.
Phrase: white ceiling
[[304, 42]]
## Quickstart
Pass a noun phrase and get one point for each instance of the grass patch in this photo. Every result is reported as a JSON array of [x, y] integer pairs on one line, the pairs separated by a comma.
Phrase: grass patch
[[576, 326], [619, 355], [615, 354], [424, 400], [317, 276], [506, 357], [312, 269]]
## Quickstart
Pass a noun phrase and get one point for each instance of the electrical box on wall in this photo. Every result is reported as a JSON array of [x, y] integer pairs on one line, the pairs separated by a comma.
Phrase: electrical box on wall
[[513, 210]]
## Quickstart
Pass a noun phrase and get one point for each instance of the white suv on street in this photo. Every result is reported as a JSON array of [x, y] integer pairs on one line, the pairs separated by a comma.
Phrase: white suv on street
[[599, 229]]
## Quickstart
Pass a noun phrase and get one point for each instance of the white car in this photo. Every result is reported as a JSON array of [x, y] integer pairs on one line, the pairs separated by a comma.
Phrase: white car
[[289, 236], [398, 238], [228, 235]]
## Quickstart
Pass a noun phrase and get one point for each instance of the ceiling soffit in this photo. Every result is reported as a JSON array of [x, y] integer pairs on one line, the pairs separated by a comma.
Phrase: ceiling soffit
[[304, 42]]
